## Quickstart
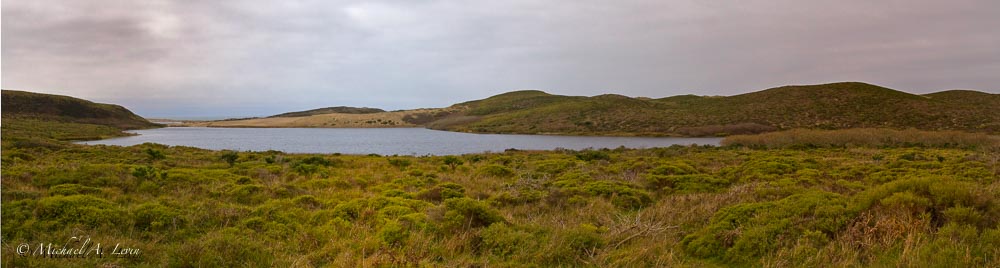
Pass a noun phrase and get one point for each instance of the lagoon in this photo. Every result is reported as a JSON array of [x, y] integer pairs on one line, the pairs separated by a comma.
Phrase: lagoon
[[383, 141]]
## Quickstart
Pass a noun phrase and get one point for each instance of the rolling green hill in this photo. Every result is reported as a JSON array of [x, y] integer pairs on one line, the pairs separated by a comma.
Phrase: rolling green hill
[[331, 110], [827, 106], [27, 114]]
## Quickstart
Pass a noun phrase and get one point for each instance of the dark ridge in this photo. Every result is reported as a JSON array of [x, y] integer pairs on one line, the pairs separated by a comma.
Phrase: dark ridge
[[23, 104], [332, 110]]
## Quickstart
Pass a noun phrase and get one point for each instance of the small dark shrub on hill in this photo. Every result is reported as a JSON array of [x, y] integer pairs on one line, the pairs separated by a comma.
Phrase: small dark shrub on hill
[[230, 157], [399, 162], [452, 161], [442, 192], [592, 155], [154, 154]]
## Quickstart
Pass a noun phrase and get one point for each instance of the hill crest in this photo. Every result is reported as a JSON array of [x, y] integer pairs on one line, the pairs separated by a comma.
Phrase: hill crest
[[823, 106], [331, 110], [26, 104]]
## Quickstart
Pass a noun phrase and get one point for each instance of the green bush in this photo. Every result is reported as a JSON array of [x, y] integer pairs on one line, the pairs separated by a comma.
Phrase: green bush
[[154, 154], [452, 161], [19, 218], [305, 169], [504, 240], [156, 217], [963, 215], [934, 194], [554, 166], [229, 157], [592, 155], [307, 201], [575, 184], [469, 213], [392, 233], [673, 168], [394, 211], [147, 173], [71, 189], [249, 194], [692, 183], [400, 163], [84, 209], [584, 237], [316, 160], [451, 190], [95, 175], [766, 169], [906, 200], [496, 171], [442, 192], [745, 232], [362, 208], [621, 194]]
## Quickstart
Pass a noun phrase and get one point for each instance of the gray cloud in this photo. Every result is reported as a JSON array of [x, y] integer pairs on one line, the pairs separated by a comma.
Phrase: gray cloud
[[238, 58]]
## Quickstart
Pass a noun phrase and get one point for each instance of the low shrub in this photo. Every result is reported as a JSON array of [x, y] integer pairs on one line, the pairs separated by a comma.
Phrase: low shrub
[[392, 233], [592, 155], [399, 162], [155, 217], [584, 237], [693, 183], [496, 171], [442, 192], [452, 161], [573, 185], [469, 213], [229, 157], [554, 166], [504, 240], [742, 233], [147, 173], [83, 209], [249, 194], [316, 160], [71, 189]]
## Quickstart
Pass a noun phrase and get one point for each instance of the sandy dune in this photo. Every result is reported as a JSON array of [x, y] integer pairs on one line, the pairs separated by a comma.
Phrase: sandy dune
[[335, 120]]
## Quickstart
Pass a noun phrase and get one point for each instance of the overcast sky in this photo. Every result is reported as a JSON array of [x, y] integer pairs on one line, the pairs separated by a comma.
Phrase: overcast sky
[[180, 58]]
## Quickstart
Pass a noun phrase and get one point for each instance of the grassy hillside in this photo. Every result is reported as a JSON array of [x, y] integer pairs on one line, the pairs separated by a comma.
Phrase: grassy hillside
[[828, 106], [332, 110], [34, 118], [49, 107]]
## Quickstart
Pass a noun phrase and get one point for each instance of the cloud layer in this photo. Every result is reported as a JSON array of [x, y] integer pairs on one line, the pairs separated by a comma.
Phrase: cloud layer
[[241, 58]]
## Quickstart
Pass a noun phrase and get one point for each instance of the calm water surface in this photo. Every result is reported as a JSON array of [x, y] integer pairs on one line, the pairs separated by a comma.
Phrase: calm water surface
[[384, 141]]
